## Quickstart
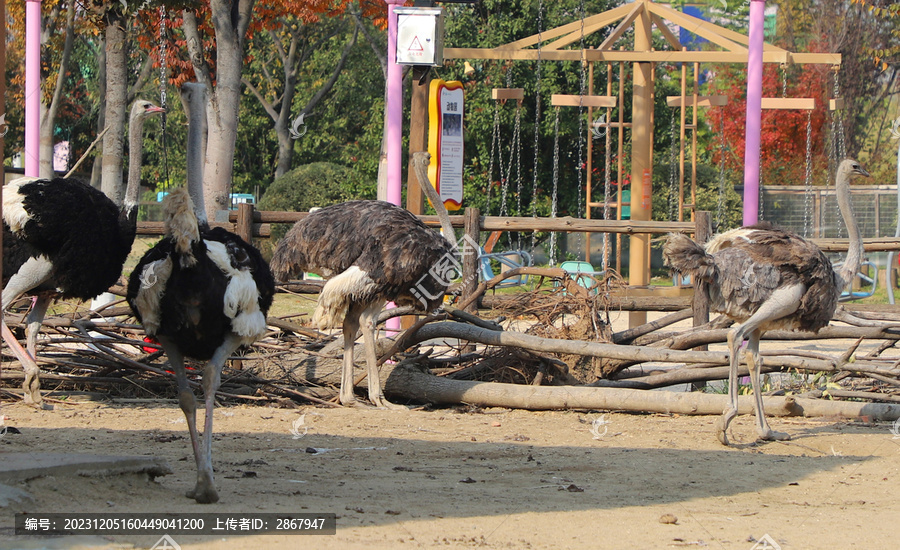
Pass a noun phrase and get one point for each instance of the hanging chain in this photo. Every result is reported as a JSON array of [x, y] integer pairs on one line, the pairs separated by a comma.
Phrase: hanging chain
[[537, 120], [495, 140], [838, 149], [783, 68], [720, 203], [582, 131], [515, 152], [673, 189], [607, 188], [163, 83], [808, 191], [555, 185]]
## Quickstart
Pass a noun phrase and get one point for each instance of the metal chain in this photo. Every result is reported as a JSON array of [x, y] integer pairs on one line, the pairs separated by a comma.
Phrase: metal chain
[[495, 140], [607, 188], [838, 150], [537, 121], [516, 152], [807, 206], [163, 83], [582, 131], [673, 190], [555, 185], [783, 80]]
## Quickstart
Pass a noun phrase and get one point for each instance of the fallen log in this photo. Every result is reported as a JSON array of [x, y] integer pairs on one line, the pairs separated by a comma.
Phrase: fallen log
[[409, 383]]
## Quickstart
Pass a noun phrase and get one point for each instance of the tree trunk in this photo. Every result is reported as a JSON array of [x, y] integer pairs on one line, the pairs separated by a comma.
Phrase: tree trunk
[[416, 385], [97, 167], [116, 108], [48, 112], [230, 19]]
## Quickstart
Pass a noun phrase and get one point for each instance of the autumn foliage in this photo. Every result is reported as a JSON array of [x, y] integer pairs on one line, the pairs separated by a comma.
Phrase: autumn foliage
[[784, 132]]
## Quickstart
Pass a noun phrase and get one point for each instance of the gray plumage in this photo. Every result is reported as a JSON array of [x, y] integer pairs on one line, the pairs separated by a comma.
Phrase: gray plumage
[[371, 252], [768, 278]]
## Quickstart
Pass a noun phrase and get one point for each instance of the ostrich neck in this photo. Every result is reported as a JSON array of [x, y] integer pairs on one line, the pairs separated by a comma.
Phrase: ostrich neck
[[855, 250], [422, 175], [135, 156]]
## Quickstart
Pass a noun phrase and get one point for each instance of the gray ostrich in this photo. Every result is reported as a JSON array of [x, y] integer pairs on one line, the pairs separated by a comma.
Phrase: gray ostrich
[[371, 252], [767, 278], [64, 239]]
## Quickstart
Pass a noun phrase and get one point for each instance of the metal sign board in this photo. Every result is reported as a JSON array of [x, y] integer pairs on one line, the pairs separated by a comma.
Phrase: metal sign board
[[420, 36]]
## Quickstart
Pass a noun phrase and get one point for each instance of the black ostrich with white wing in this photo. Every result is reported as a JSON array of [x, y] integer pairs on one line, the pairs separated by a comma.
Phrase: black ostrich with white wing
[[202, 293], [63, 239], [767, 278], [371, 252]]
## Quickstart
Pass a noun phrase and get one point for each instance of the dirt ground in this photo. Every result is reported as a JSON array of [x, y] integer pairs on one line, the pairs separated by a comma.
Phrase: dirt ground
[[495, 478]]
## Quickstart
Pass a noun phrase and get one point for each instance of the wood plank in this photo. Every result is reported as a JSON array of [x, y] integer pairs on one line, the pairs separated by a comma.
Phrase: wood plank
[[802, 103], [503, 94], [702, 101], [835, 104], [670, 37], [638, 57], [563, 100], [600, 20]]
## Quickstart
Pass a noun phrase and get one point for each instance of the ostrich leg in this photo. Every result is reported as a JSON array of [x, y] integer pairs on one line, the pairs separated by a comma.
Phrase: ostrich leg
[[369, 318], [205, 491], [34, 320], [781, 303], [734, 347], [32, 383], [754, 363], [350, 328], [186, 399]]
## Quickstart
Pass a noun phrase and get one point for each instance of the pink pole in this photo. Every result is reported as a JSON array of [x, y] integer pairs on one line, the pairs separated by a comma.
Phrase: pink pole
[[394, 130], [394, 133], [32, 87], [754, 112]]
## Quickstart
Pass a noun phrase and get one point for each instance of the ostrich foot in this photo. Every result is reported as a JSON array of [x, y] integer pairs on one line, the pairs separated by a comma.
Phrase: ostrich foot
[[203, 494], [722, 425], [383, 403], [772, 435]]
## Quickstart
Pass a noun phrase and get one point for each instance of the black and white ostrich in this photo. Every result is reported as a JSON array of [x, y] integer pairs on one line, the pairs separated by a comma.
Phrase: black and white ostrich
[[62, 239], [767, 278], [202, 293], [371, 252]]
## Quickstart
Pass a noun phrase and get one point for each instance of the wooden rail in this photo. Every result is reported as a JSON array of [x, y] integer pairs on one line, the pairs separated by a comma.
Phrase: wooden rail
[[250, 223]]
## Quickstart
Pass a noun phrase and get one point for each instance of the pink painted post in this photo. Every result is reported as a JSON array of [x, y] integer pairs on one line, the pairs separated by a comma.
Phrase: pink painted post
[[754, 112], [394, 131], [32, 87]]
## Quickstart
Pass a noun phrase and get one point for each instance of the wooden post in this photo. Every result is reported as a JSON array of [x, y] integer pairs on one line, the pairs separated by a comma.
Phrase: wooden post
[[418, 136], [244, 225], [700, 304], [470, 256]]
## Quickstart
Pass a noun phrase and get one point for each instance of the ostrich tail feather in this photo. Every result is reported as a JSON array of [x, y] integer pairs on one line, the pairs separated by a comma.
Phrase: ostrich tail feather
[[686, 256], [181, 224]]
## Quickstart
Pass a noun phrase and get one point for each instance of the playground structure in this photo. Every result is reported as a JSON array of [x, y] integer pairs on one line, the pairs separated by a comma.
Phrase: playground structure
[[643, 16]]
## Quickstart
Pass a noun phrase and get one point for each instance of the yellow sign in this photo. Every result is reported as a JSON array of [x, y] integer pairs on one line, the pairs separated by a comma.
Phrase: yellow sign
[[445, 140]]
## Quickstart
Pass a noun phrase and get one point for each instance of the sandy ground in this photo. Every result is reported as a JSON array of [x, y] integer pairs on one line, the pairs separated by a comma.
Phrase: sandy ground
[[495, 478]]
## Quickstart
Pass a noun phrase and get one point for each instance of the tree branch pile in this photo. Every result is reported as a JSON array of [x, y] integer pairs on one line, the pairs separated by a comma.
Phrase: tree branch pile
[[568, 357]]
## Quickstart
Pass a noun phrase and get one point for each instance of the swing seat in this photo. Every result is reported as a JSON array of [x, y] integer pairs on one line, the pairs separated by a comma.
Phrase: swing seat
[[507, 260], [867, 285], [581, 273]]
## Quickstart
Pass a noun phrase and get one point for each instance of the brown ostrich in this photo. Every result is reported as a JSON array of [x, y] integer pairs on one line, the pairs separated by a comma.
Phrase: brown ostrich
[[767, 278], [372, 252]]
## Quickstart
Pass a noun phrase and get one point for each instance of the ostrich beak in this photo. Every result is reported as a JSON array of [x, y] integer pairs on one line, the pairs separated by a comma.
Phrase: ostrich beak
[[860, 171], [154, 109]]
